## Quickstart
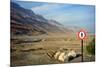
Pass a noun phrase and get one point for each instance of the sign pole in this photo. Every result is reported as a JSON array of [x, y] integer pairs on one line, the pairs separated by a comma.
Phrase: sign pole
[[82, 48], [81, 36]]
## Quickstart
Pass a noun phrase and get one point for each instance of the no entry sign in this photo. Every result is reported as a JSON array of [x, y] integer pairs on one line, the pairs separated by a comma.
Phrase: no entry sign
[[81, 34]]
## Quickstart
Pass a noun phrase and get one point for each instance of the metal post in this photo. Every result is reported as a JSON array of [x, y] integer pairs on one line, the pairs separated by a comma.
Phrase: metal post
[[82, 48]]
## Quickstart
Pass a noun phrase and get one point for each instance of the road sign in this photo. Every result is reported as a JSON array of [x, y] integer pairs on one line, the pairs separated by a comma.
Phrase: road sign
[[81, 36]]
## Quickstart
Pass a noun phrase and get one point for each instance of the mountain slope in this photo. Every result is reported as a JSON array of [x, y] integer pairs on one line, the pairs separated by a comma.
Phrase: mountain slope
[[25, 21]]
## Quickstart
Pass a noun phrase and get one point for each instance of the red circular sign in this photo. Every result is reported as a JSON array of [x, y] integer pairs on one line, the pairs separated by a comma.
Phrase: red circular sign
[[81, 34]]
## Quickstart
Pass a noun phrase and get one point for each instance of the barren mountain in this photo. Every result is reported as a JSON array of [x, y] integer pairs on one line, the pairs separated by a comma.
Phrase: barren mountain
[[25, 21]]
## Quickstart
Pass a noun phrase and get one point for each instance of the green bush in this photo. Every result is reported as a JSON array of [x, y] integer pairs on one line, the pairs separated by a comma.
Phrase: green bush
[[91, 47]]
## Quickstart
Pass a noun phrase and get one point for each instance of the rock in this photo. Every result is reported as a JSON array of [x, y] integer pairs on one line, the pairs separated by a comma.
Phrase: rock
[[62, 57], [71, 53], [56, 55]]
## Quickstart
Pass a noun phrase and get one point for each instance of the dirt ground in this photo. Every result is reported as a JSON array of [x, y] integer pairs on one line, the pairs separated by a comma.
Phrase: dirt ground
[[33, 50]]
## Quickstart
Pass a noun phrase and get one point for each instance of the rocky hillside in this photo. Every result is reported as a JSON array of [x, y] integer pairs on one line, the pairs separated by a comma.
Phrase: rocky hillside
[[25, 21]]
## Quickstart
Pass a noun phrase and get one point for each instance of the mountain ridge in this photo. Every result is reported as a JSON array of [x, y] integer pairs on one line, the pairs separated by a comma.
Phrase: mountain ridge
[[25, 21]]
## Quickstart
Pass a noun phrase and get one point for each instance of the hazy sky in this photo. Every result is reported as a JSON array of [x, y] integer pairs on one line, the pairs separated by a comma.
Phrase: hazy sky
[[66, 14]]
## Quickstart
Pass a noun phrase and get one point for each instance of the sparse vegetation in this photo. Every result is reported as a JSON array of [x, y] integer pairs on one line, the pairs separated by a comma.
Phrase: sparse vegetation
[[91, 47], [40, 52]]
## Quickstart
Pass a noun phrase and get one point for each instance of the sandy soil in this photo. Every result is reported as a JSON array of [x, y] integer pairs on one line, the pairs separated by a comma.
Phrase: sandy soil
[[33, 50]]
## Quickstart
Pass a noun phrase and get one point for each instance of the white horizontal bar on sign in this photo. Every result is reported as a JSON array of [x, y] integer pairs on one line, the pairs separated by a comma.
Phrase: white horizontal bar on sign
[[85, 2]]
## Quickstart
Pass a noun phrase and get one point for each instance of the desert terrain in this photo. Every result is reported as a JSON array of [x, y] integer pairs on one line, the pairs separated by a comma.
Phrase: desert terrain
[[37, 40], [34, 50]]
